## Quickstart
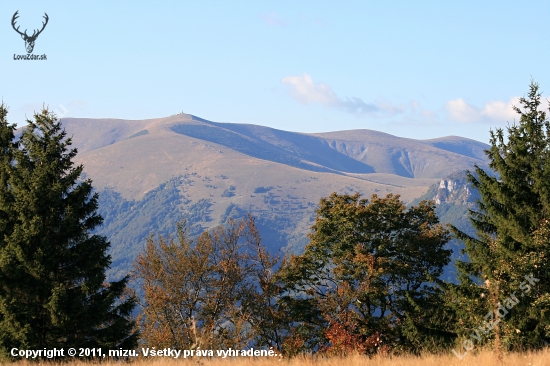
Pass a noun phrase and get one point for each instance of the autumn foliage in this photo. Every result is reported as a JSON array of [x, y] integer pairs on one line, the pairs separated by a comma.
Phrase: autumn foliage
[[366, 283], [210, 292], [368, 280]]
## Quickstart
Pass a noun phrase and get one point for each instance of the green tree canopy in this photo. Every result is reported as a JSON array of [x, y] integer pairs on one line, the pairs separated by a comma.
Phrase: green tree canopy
[[52, 269], [367, 279], [512, 234]]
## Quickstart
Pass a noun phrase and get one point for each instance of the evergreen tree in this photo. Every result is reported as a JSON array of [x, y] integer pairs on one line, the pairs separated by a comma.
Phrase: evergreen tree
[[52, 269], [504, 290], [7, 147]]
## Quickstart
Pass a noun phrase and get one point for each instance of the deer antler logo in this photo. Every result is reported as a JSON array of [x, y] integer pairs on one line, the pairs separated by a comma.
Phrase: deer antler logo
[[29, 40]]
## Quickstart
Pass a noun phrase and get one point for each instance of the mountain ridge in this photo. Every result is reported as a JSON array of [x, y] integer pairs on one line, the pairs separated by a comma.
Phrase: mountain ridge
[[152, 173], [352, 151]]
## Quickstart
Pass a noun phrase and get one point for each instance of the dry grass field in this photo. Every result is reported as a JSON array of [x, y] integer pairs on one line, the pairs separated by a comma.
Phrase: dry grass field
[[486, 358]]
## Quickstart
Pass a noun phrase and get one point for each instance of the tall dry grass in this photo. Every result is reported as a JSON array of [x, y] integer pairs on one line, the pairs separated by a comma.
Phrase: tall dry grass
[[485, 358]]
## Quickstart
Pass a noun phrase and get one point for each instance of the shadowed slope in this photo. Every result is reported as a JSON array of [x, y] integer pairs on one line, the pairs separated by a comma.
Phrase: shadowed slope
[[460, 145], [153, 172], [342, 152], [401, 156], [294, 149]]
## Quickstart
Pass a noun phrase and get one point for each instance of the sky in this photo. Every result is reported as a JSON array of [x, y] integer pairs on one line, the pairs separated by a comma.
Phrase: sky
[[417, 69]]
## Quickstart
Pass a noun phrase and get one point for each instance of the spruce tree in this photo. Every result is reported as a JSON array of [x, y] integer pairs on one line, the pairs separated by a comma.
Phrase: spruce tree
[[504, 292], [7, 147], [52, 268]]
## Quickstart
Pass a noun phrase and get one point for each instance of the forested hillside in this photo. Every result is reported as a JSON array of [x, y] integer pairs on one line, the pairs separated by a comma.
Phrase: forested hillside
[[150, 174]]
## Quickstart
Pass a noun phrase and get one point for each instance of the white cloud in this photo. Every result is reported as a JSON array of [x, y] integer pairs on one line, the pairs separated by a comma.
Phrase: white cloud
[[499, 110], [393, 109], [494, 111], [461, 111], [305, 91], [357, 106]]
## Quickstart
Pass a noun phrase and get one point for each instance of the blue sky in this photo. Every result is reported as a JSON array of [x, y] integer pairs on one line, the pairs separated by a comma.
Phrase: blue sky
[[419, 69]]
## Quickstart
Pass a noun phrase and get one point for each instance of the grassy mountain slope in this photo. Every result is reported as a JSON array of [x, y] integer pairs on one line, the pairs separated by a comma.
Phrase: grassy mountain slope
[[460, 145], [401, 156], [152, 173], [294, 149]]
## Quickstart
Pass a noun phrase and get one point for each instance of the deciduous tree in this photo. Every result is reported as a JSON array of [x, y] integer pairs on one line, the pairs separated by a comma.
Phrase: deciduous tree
[[367, 280], [214, 291]]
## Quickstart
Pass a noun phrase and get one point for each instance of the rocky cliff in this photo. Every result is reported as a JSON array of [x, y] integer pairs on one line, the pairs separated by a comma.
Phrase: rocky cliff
[[455, 190]]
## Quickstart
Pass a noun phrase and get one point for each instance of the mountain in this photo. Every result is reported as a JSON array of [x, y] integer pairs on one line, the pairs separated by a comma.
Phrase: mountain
[[407, 157], [151, 173], [453, 197], [460, 145]]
